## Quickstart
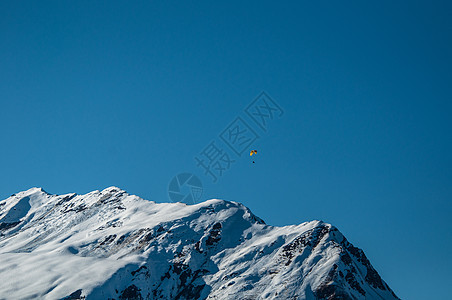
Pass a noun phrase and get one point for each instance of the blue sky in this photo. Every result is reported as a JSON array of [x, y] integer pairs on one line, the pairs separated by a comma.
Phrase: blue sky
[[127, 94]]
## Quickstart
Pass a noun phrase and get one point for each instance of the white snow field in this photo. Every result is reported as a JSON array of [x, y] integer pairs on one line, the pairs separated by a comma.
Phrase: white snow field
[[112, 245]]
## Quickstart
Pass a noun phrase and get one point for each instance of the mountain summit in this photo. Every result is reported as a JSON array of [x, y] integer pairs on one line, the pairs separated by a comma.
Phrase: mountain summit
[[112, 245]]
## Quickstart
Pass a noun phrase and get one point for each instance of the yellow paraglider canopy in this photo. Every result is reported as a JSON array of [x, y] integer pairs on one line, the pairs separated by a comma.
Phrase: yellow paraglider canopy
[[253, 152]]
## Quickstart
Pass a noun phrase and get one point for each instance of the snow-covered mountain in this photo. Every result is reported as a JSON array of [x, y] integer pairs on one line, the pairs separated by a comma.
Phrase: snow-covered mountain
[[112, 245]]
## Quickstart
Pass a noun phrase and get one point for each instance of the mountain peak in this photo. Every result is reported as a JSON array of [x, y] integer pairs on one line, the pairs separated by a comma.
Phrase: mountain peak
[[34, 190], [112, 189], [110, 244]]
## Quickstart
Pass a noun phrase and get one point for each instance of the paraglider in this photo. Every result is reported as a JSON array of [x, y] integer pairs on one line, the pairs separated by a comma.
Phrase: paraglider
[[253, 152]]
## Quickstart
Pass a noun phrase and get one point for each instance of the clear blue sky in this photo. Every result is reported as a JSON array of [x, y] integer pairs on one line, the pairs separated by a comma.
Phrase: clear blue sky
[[127, 94]]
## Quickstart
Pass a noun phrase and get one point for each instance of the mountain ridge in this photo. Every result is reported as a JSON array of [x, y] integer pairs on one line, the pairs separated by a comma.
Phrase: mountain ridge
[[120, 246]]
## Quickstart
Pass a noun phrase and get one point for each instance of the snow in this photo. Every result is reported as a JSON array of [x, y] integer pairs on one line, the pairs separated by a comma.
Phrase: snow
[[105, 241]]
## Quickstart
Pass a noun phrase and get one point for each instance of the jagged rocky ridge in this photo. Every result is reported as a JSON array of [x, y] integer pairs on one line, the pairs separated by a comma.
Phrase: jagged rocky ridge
[[112, 245]]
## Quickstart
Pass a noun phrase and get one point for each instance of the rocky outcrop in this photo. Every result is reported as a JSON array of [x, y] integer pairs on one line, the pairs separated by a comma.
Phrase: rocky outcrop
[[112, 245]]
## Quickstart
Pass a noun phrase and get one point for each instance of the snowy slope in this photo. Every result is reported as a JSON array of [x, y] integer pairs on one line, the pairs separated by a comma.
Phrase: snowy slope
[[112, 245]]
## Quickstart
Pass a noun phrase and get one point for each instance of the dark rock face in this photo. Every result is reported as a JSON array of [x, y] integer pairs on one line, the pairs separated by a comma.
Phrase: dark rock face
[[339, 277], [190, 283], [77, 295], [309, 239], [351, 280], [142, 268], [332, 292], [214, 235], [5, 226], [131, 293], [372, 276]]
